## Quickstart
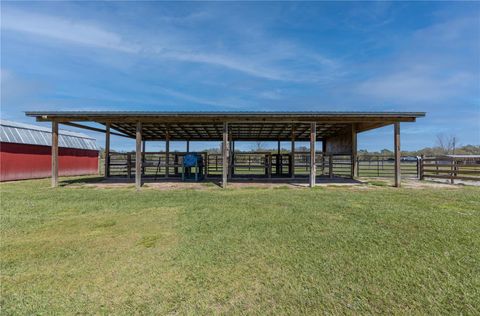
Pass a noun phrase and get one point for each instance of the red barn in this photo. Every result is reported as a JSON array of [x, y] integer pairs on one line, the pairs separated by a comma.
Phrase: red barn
[[25, 152]]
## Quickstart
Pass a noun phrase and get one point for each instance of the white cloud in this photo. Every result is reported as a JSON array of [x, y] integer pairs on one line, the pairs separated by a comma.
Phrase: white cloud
[[65, 30], [230, 63], [265, 55], [16, 90], [413, 85], [434, 65], [187, 97], [271, 94]]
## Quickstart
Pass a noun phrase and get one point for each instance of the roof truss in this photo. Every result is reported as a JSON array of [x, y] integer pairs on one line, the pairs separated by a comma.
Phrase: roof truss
[[248, 126]]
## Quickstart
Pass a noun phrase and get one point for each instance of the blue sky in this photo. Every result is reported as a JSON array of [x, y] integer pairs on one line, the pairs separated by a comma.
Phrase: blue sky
[[368, 56]]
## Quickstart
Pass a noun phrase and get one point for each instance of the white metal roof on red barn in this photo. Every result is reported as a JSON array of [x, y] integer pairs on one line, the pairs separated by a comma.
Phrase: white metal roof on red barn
[[21, 133]]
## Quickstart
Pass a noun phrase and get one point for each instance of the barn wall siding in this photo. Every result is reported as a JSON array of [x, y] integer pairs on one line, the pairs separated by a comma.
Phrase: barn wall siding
[[21, 161], [340, 144]]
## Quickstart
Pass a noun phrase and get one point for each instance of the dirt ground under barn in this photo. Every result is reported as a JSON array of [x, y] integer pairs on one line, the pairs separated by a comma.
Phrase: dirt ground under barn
[[175, 184]]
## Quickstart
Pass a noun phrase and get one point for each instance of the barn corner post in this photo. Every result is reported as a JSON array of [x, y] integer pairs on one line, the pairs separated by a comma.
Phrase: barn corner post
[[313, 166], [106, 172], [54, 154], [138, 156], [398, 175]]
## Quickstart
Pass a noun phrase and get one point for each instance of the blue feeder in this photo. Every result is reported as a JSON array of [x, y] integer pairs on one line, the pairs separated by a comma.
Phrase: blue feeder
[[192, 161]]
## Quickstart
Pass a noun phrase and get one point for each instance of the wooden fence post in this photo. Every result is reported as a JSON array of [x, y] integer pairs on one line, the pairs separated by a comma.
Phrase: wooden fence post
[[292, 153], [421, 167], [129, 165], [354, 160], [269, 165], [452, 168], [323, 163], [358, 166], [230, 156], [143, 157], [378, 166], [330, 166], [206, 165], [106, 172], [167, 153], [455, 168]]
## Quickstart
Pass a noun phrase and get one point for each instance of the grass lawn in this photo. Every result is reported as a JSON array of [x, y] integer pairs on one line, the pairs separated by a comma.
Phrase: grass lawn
[[246, 251]]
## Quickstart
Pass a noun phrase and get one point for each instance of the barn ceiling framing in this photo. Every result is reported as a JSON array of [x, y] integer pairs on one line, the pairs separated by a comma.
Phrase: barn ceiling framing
[[247, 126]]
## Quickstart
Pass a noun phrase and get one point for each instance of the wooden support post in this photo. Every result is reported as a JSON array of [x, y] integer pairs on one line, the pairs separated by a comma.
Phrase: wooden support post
[[167, 154], [54, 154], [188, 146], [398, 175], [106, 172], [313, 166], [225, 155], [354, 169], [292, 153], [138, 156]]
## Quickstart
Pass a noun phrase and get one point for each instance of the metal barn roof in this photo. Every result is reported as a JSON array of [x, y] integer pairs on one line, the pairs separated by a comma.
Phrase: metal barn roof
[[243, 126], [20, 133], [268, 114]]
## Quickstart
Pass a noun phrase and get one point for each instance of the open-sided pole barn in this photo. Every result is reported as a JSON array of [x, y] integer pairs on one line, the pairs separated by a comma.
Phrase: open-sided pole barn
[[337, 130]]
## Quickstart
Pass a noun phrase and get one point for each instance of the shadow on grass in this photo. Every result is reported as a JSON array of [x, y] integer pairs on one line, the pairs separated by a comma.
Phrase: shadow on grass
[[116, 180], [85, 180], [284, 182]]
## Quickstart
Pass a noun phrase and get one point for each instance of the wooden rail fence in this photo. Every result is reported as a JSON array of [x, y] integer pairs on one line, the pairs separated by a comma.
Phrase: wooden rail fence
[[450, 168], [269, 165], [383, 166]]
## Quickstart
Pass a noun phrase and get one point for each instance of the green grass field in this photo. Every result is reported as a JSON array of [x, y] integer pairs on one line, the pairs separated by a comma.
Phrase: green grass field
[[330, 250]]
